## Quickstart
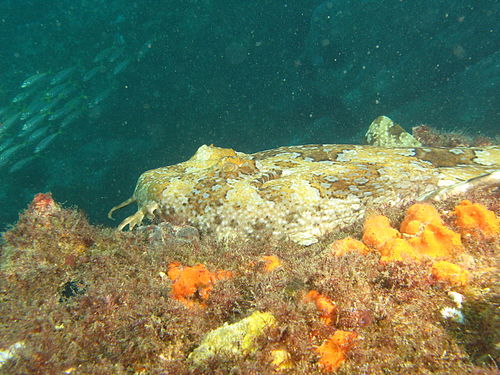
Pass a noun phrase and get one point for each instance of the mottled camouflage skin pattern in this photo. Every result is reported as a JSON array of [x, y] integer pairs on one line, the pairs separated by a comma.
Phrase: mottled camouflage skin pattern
[[299, 192]]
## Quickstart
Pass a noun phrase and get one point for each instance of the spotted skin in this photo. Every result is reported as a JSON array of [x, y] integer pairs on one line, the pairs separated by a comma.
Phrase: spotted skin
[[300, 193]]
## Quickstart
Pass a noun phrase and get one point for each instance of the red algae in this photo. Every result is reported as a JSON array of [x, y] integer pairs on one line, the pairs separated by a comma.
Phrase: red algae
[[120, 299], [430, 136]]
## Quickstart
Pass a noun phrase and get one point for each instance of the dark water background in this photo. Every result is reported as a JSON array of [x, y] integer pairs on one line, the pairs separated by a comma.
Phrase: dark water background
[[128, 86]]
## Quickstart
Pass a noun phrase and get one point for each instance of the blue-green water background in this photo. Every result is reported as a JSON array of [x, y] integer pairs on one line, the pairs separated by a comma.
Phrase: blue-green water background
[[135, 85]]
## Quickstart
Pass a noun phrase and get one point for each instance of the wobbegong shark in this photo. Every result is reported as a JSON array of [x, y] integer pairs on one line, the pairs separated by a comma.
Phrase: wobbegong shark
[[302, 193]]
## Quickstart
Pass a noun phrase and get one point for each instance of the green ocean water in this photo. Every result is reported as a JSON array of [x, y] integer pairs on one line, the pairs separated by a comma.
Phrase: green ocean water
[[94, 92]]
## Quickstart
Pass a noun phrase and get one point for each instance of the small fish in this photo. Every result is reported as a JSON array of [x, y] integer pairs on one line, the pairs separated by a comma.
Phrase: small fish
[[51, 104], [33, 79], [145, 50], [121, 67], [7, 123], [56, 90], [91, 73], [116, 53], [8, 154], [37, 134], [25, 115], [33, 122], [62, 75], [45, 143], [8, 142], [103, 95], [17, 166], [72, 117], [47, 107], [36, 104], [68, 107], [23, 95], [103, 54], [67, 91]]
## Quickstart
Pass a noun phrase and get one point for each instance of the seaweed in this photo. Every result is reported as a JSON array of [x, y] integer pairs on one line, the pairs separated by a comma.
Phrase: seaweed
[[89, 300]]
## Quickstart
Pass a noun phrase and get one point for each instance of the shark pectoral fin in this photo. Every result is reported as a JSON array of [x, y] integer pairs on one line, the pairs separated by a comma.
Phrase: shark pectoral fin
[[484, 181], [132, 221], [147, 209]]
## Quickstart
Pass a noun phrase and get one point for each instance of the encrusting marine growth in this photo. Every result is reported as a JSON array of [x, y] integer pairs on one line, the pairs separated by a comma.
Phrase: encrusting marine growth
[[192, 309]]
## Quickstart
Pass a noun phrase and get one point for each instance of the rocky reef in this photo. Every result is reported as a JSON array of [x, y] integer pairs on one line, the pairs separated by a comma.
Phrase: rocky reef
[[405, 291]]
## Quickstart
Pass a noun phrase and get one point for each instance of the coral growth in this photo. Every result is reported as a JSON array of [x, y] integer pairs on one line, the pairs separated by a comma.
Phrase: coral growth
[[378, 231], [271, 262], [348, 244]]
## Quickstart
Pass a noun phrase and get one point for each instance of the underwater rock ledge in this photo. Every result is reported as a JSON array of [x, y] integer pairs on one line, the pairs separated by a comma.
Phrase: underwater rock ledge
[[81, 299]]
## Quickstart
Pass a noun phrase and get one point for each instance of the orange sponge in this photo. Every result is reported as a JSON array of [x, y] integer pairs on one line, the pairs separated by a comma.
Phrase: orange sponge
[[377, 231], [347, 245], [422, 233], [418, 216], [450, 273], [472, 217], [189, 282], [431, 237], [437, 241], [398, 250], [271, 262], [325, 306], [333, 351]]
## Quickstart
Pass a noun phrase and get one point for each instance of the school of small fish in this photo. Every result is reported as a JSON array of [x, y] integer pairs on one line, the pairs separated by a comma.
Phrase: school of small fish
[[48, 103]]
